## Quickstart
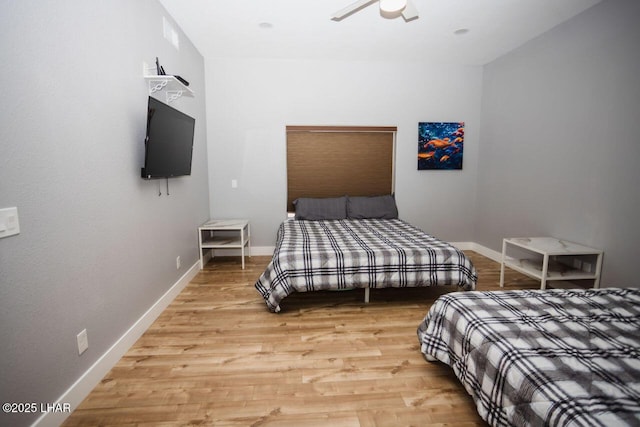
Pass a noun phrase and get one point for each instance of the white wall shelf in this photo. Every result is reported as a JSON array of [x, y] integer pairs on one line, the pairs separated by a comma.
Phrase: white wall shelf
[[172, 87]]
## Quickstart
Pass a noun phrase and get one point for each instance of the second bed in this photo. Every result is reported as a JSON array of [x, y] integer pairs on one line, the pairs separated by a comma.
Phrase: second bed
[[359, 253]]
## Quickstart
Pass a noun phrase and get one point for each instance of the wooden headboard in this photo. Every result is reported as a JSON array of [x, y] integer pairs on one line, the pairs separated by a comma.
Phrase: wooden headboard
[[333, 161]]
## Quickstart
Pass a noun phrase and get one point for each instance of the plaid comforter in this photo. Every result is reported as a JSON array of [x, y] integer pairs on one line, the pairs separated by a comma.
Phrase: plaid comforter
[[552, 358], [346, 254]]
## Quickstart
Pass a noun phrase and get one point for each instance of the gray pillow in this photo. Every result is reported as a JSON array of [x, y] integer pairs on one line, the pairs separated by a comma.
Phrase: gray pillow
[[380, 207], [321, 208]]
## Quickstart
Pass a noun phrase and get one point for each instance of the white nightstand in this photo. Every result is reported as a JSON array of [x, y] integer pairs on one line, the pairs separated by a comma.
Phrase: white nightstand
[[551, 259], [224, 234]]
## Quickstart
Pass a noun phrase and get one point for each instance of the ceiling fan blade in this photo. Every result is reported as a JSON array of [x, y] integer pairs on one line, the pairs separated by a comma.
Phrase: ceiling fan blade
[[351, 9], [409, 13]]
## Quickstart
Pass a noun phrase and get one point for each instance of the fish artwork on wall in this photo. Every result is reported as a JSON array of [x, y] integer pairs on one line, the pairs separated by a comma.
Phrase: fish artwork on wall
[[440, 145]]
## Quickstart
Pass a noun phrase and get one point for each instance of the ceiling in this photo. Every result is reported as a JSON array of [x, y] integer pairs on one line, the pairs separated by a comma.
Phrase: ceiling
[[303, 29]]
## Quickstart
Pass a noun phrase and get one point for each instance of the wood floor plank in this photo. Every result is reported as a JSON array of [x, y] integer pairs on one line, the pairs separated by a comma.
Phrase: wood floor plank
[[217, 356]]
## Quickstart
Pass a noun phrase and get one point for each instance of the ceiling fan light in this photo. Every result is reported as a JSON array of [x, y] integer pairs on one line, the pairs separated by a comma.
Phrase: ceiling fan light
[[391, 6]]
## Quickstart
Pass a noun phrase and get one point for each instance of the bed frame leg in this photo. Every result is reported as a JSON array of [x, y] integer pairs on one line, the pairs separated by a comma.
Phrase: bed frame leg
[[366, 295]]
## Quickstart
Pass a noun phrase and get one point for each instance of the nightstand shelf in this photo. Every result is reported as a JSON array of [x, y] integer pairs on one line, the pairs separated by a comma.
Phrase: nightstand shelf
[[224, 234], [549, 259]]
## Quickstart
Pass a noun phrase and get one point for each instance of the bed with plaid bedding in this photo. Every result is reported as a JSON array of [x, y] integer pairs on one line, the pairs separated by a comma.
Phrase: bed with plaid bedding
[[362, 253], [534, 358]]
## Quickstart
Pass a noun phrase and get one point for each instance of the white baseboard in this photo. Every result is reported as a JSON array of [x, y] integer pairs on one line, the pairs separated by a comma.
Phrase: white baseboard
[[268, 251], [255, 250], [463, 246], [87, 382], [489, 253], [482, 250]]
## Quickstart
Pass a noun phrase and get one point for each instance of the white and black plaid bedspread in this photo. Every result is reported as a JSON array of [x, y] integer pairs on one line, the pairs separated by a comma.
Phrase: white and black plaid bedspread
[[534, 358], [345, 254]]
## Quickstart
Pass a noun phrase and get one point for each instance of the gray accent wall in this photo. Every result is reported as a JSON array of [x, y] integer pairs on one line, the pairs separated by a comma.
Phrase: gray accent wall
[[97, 245], [251, 101], [560, 147]]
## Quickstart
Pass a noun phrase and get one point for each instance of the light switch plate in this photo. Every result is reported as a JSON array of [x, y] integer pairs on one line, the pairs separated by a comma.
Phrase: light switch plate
[[9, 224], [83, 341]]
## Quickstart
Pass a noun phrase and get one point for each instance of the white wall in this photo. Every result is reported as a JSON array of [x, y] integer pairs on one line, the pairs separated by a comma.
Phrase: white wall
[[97, 245], [560, 145], [250, 101]]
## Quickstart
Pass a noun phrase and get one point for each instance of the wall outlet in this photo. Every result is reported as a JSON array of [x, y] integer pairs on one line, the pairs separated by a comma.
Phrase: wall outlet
[[178, 263], [577, 264], [586, 267], [234, 183], [83, 341]]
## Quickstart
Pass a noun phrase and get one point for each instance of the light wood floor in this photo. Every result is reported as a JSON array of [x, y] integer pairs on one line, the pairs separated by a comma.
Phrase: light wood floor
[[217, 356]]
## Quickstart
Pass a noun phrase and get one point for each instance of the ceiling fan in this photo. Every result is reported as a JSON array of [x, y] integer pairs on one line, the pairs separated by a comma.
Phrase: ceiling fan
[[388, 9]]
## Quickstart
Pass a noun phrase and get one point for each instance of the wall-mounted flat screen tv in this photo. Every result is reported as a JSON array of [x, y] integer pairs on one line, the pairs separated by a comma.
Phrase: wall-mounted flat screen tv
[[169, 142]]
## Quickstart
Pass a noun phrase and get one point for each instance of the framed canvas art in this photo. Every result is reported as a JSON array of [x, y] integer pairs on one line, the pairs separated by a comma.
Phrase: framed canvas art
[[440, 145]]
